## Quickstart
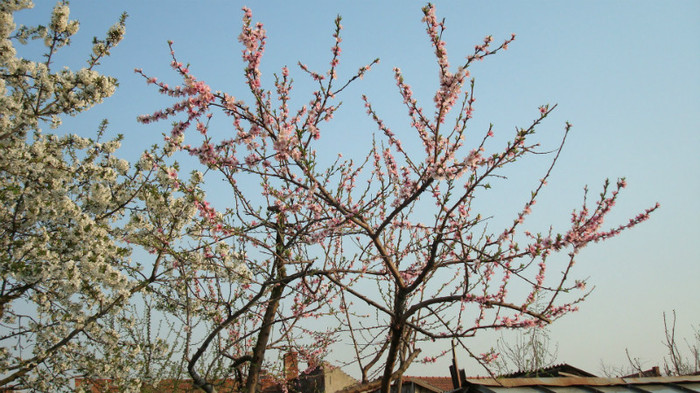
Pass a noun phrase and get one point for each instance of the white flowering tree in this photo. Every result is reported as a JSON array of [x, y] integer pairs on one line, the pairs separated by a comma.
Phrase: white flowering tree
[[65, 207], [399, 222]]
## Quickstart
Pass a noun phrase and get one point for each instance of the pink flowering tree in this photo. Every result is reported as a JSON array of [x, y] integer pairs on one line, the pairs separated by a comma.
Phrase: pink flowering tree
[[395, 241]]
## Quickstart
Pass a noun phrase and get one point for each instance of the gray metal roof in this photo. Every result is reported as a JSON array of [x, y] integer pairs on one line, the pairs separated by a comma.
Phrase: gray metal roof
[[582, 384]]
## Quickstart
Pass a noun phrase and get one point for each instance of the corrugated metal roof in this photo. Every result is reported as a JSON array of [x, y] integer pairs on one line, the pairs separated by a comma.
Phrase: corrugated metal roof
[[582, 384]]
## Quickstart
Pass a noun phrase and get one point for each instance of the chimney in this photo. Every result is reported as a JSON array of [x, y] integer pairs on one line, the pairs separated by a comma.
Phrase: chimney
[[291, 365]]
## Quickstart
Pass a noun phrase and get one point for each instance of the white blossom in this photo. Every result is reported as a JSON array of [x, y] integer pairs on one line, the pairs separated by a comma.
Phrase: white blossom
[[63, 261], [59, 18]]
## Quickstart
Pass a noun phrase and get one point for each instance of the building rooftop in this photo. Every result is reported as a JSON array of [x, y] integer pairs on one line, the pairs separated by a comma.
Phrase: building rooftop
[[689, 383]]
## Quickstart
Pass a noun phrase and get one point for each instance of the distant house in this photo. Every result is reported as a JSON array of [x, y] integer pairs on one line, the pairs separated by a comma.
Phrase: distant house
[[560, 370], [323, 378], [652, 372]]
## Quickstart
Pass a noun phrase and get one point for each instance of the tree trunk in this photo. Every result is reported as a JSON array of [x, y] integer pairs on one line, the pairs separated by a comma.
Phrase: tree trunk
[[395, 336], [270, 311]]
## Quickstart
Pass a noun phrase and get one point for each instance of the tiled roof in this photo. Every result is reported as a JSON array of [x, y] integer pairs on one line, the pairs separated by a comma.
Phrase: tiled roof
[[442, 383]]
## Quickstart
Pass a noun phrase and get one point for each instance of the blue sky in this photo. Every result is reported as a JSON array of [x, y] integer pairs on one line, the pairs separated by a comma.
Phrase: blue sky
[[625, 73]]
